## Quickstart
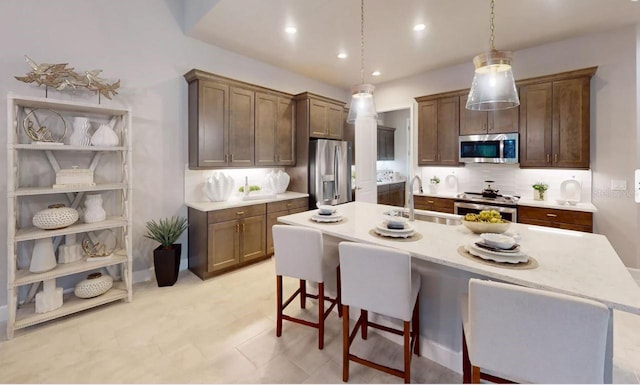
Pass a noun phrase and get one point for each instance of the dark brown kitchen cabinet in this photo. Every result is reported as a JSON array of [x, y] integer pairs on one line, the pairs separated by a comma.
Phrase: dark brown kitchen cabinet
[[228, 129], [386, 143], [561, 219], [554, 120], [324, 116], [391, 194], [487, 122], [349, 135], [443, 205], [278, 209], [438, 127], [274, 130]]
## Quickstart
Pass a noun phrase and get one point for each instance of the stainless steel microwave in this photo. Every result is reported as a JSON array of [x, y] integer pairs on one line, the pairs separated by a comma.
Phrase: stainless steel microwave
[[495, 148]]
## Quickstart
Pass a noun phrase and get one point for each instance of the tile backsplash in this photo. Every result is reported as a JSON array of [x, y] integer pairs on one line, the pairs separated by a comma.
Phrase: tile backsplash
[[509, 179]]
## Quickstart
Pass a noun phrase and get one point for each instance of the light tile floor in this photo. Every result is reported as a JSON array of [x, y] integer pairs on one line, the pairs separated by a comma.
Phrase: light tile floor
[[220, 331]]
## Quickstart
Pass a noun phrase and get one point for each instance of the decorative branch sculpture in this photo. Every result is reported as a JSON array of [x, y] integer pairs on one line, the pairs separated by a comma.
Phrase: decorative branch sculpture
[[59, 76]]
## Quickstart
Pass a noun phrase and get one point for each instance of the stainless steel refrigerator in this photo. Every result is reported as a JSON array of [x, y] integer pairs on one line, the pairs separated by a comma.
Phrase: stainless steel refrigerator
[[329, 172]]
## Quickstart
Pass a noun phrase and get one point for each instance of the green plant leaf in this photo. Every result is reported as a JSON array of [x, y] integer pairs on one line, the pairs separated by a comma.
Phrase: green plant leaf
[[167, 230]]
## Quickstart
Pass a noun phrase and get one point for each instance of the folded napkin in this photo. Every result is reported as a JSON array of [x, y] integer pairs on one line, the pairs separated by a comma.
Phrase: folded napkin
[[395, 226]]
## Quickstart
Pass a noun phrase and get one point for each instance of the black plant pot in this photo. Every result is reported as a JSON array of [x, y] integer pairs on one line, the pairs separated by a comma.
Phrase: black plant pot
[[167, 264]]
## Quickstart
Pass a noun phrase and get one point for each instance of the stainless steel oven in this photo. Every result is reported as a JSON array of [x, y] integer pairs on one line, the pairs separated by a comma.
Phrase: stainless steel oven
[[507, 212]]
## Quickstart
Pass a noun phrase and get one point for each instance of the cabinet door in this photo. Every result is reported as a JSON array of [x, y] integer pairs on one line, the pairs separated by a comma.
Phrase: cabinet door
[[503, 121], [570, 141], [241, 127], [381, 145], [208, 124], [223, 246], [335, 121], [471, 122], [285, 133], [427, 132], [535, 125], [272, 219], [318, 125], [448, 123], [349, 135], [396, 194], [253, 240], [267, 115], [383, 194]]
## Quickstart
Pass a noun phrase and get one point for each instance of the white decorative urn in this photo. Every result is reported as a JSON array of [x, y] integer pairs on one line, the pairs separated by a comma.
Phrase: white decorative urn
[[278, 181], [93, 209], [218, 187], [105, 137], [43, 257], [80, 136]]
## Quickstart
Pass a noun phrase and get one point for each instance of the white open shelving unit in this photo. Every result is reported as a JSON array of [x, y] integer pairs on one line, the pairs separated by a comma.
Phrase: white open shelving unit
[[24, 192]]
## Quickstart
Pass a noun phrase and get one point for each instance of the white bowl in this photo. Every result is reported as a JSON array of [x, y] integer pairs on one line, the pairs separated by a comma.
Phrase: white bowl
[[572, 202], [561, 201], [326, 209], [395, 221], [499, 241], [487, 227]]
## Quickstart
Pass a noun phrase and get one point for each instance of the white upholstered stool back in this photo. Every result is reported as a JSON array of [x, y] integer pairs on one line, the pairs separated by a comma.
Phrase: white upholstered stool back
[[531, 335], [299, 252]]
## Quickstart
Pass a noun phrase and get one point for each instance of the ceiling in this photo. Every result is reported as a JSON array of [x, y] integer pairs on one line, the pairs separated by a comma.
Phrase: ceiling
[[456, 30]]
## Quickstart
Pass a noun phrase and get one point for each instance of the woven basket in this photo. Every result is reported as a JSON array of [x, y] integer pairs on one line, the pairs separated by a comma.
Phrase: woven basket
[[95, 285], [55, 217]]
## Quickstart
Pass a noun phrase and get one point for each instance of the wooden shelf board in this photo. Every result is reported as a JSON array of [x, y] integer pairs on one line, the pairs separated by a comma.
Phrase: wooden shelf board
[[29, 233], [27, 316], [67, 105], [25, 191], [64, 147], [24, 277]]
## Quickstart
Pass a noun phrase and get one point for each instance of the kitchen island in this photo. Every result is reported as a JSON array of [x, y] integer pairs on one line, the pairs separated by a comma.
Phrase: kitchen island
[[570, 262]]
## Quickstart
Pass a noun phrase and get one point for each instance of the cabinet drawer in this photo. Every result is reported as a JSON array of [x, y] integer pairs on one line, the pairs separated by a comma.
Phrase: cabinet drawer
[[580, 218], [443, 205], [296, 203], [236, 213]]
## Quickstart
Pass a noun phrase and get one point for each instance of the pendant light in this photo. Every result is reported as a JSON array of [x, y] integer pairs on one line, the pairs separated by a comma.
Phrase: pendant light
[[493, 87], [362, 103]]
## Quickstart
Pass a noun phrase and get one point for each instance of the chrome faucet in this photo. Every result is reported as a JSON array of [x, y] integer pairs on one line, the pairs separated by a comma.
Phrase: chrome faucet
[[411, 204]]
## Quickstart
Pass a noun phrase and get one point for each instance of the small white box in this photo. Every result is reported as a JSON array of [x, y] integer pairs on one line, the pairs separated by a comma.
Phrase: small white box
[[74, 177]]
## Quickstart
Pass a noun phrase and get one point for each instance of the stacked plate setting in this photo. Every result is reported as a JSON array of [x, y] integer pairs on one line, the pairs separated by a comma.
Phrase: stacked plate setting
[[395, 227], [327, 214], [497, 248]]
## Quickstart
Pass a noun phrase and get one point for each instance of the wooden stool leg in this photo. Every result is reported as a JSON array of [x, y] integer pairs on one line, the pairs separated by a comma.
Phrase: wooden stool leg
[[339, 292], [416, 326], [466, 364], [279, 305], [407, 352], [320, 315], [475, 375], [365, 323], [303, 293], [345, 343]]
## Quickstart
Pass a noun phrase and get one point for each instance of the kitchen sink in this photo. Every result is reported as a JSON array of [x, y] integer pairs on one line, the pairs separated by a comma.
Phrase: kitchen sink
[[441, 218]]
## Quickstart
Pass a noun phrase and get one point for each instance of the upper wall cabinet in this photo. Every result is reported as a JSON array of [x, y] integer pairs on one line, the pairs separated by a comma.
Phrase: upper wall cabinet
[[486, 122], [323, 117], [386, 143], [554, 120], [235, 124], [438, 123]]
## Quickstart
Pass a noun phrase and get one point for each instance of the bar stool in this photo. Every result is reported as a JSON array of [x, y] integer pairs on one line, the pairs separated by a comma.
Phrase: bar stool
[[380, 280], [531, 335], [299, 253]]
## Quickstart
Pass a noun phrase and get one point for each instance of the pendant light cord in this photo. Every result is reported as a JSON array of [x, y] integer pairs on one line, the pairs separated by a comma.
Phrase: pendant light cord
[[491, 26], [362, 41]]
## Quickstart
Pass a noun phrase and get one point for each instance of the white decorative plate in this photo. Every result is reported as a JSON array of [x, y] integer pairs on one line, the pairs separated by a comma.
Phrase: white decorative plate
[[381, 229], [570, 189], [511, 258], [518, 253], [335, 217]]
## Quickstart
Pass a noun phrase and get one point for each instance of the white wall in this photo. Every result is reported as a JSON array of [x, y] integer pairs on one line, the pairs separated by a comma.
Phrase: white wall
[[398, 120], [614, 143], [140, 42]]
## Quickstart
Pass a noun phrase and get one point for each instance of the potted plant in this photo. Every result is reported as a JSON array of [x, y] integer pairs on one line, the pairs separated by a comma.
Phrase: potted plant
[[539, 189], [166, 257], [434, 182]]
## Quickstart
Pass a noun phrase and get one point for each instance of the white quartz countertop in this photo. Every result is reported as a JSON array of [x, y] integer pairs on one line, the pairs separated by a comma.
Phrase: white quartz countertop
[[570, 262], [390, 182], [551, 204], [238, 202]]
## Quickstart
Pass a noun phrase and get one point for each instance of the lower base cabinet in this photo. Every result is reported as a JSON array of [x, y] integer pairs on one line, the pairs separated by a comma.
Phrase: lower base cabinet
[[561, 219], [443, 205], [391, 194], [224, 240]]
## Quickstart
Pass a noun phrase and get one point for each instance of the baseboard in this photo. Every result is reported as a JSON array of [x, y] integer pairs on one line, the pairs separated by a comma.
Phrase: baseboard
[[143, 275]]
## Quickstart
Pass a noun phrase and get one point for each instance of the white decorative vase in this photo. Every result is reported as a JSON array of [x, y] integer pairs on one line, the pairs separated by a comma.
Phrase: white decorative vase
[[278, 181], [218, 187], [538, 196], [105, 137], [55, 217], [433, 188], [93, 209], [96, 284], [80, 136], [43, 257], [71, 251]]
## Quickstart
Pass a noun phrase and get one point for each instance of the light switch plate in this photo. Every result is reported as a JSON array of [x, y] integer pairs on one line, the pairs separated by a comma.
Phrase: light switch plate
[[636, 186], [618, 185]]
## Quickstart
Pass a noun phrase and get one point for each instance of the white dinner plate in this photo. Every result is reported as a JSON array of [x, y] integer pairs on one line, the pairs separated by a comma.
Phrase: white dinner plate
[[508, 254], [335, 217], [496, 258], [381, 229]]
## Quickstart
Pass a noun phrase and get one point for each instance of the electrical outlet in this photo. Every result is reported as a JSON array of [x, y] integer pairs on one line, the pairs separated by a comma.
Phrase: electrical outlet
[[618, 185]]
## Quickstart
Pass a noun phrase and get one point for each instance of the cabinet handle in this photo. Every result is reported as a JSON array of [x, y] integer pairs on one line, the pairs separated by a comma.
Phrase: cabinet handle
[[432, 202], [240, 213], [548, 158], [230, 158], [555, 158], [552, 215], [226, 157], [237, 228], [289, 205], [243, 227]]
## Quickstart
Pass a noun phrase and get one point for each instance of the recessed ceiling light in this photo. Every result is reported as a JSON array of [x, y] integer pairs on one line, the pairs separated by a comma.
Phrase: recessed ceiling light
[[291, 30], [342, 55], [420, 27], [375, 73]]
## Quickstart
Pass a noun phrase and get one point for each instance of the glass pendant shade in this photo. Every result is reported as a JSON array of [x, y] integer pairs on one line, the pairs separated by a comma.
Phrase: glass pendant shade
[[493, 86], [362, 103]]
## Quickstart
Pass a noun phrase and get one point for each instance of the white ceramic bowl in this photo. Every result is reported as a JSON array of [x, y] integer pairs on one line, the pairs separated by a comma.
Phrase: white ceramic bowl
[[395, 221], [561, 201], [486, 227], [499, 241], [572, 202], [326, 209]]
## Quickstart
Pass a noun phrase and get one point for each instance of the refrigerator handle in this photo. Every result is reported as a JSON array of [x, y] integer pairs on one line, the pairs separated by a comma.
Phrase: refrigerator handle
[[337, 157]]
